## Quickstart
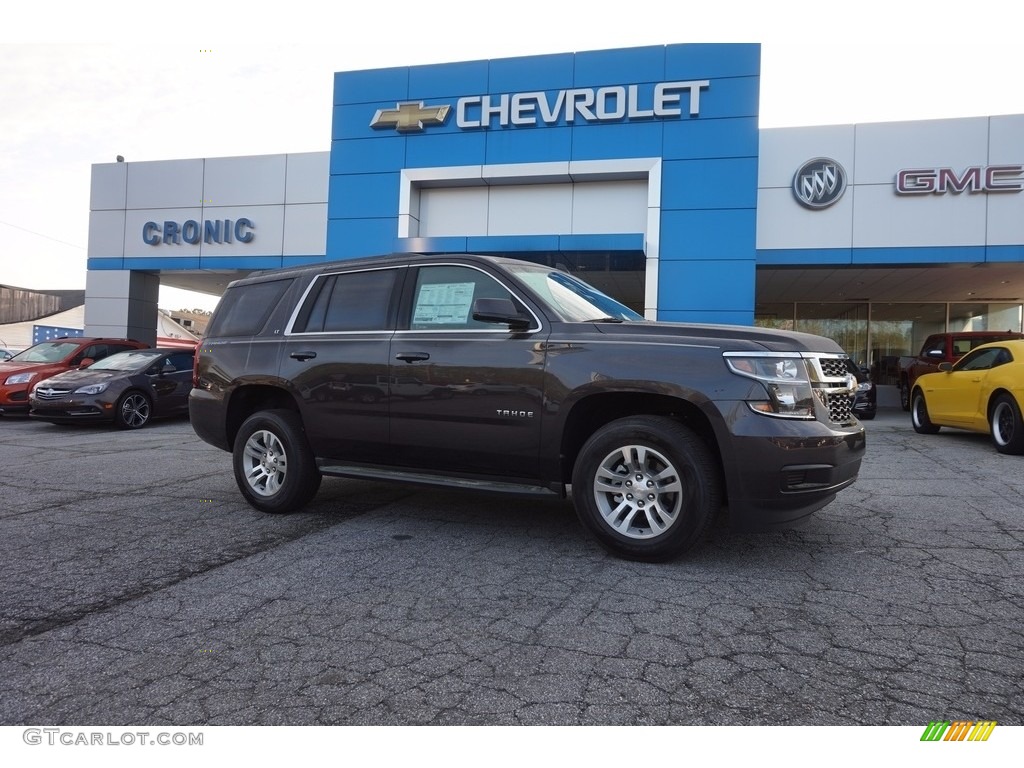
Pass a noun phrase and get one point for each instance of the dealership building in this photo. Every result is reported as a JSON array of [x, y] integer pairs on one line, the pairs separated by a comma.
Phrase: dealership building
[[643, 170]]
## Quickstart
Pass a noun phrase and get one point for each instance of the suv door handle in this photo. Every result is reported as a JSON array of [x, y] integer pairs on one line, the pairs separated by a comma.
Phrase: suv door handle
[[412, 357], [302, 355]]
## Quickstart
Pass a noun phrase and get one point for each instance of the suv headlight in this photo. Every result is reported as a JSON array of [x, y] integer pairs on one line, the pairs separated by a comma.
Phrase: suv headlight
[[785, 380], [91, 389], [19, 378]]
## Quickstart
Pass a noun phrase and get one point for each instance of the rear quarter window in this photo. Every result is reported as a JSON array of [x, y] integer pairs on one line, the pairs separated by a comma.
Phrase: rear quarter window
[[245, 309]]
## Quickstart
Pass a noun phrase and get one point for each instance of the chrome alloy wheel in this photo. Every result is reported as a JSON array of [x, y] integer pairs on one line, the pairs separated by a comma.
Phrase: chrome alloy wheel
[[638, 492], [135, 410], [1003, 423], [265, 463]]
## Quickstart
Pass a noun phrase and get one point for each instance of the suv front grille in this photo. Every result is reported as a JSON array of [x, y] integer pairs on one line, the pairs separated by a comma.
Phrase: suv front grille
[[835, 387], [839, 405]]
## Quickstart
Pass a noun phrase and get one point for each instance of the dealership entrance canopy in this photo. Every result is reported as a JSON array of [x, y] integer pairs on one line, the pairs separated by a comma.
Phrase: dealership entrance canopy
[[641, 169]]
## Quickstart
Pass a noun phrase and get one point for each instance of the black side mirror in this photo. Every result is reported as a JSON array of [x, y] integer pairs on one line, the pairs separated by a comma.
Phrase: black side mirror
[[499, 311]]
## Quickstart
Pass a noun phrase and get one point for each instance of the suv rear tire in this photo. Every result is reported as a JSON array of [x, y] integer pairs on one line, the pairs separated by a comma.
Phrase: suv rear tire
[[274, 466], [647, 487]]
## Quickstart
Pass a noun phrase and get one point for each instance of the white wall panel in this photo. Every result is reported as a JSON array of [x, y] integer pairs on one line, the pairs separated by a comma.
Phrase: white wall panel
[[1006, 218], [456, 212], [257, 180], [784, 150], [783, 223], [106, 234], [108, 187], [308, 176], [881, 219], [135, 247], [305, 229], [267, 231], [1006, 140], [884, 148], [536, 209], [609, 207], [165, 184]]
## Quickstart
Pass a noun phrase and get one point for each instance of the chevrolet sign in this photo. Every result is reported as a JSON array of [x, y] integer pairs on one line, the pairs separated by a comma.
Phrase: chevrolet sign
[[610, 103]]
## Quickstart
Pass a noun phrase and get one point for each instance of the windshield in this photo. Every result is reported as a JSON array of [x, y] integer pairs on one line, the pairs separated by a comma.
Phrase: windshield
[[46, 352], [125, 361], [570, 299]]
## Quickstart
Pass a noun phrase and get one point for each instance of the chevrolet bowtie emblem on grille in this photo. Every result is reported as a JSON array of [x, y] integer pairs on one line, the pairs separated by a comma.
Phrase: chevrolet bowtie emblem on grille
[[410, 116]]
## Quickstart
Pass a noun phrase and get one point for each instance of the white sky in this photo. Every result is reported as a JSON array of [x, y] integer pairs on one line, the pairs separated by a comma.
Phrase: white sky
[[81, 83]]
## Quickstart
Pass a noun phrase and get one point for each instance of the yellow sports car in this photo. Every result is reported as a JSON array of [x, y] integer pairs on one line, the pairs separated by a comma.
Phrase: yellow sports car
[[982, 392]]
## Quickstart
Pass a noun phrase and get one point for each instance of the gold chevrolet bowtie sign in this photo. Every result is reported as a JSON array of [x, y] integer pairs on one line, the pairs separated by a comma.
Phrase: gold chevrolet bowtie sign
[[410, 116]]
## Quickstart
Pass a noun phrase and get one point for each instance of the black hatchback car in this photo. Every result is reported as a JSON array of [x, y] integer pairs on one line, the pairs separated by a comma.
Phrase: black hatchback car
[[128, 388], [865, 405]]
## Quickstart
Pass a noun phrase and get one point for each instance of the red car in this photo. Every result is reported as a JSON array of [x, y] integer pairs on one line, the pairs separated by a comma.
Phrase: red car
[[49, 358]]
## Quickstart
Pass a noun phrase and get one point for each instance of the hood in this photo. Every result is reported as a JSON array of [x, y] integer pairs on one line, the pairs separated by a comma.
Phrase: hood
[[727, 337], [7, 368], [79, 378]]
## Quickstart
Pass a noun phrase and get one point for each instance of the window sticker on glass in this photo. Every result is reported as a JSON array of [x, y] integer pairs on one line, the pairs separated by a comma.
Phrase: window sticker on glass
[[443, 303]]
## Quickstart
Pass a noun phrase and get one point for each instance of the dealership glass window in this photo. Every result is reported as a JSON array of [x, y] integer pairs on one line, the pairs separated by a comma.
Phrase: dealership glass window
[[780, 316], [982, 316], [844, 323]]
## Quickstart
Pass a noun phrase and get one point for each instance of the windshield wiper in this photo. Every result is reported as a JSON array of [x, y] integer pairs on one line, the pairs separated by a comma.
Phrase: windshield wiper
[[605, 320]]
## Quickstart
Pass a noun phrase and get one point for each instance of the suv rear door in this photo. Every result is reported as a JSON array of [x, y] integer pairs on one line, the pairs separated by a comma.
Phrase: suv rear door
[[336, 358]]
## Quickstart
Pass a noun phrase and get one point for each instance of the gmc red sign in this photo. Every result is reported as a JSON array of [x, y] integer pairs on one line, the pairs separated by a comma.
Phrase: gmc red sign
[[978, 178]]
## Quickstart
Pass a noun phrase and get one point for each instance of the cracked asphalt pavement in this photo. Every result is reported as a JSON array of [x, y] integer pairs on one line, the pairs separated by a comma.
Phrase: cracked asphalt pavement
[[138, 588]]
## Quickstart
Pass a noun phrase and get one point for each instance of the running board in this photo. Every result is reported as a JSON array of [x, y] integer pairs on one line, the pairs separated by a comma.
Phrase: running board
[[444, 481]]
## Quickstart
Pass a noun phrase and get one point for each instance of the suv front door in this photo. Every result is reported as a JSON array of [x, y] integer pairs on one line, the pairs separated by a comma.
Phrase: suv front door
[[466, 396]]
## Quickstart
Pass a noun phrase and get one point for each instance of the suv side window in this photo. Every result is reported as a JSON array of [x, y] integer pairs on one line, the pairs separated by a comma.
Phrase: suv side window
[[94, 351], [444, 295], [350, 301], [245, 309]]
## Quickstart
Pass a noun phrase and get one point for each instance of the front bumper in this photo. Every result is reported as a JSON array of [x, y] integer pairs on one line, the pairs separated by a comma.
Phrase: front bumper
[[779, 471], [14, 399], [68, 410]]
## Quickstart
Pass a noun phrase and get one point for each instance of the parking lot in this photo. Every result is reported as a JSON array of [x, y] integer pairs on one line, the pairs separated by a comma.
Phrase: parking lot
[[138, 588]]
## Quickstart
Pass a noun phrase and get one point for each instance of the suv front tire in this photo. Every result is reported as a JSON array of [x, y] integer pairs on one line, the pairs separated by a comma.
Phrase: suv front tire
[[274, 466]]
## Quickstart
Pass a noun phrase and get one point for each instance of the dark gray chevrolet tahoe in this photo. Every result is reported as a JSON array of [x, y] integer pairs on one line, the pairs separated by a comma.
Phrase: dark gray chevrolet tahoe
[[498, 374]]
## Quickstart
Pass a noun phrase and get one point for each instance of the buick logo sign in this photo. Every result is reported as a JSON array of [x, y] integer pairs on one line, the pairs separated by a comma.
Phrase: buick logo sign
[[819, 183]]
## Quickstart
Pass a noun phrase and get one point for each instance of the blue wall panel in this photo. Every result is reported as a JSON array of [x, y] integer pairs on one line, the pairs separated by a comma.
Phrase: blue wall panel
[[946, 255], [602, 142], [375, 155], [371, 85], [719, 183], [725, 137], [528, 145], [706, 285], [725, 235], [623, 66], [531, 73], [506, 243], [445, 150], [353, 238], [1004, 253], [624, 242], [366, 195], [465, 78]]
